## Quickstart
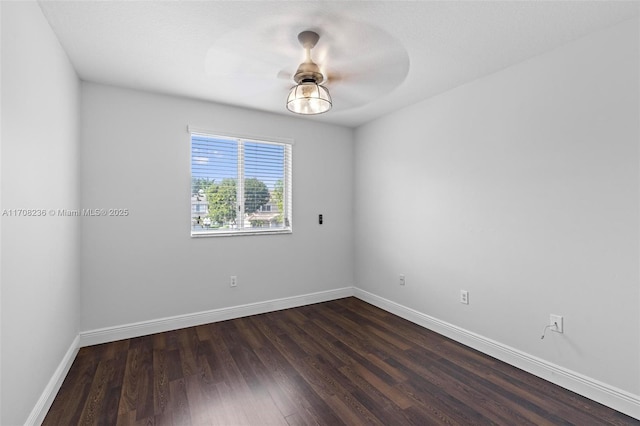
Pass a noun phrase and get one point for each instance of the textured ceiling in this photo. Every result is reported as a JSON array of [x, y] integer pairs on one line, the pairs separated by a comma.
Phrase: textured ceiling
[[382, 55]]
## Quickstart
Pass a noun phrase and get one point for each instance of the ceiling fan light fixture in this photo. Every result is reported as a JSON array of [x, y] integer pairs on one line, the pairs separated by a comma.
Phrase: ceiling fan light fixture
[[309, 98]]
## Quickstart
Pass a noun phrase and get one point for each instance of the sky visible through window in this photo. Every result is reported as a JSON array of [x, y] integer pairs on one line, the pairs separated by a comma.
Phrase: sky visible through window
[[215, 158]]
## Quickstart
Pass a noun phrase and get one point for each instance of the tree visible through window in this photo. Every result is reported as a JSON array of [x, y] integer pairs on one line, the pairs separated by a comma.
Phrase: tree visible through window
[[239, 185]]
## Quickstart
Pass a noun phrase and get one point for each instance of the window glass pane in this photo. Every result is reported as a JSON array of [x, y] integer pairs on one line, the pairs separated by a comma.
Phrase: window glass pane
[[214, 174], [264, 174]]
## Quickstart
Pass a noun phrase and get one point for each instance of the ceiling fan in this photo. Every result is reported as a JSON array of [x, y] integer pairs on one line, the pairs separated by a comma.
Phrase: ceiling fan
[[309, 96], [345, 64]]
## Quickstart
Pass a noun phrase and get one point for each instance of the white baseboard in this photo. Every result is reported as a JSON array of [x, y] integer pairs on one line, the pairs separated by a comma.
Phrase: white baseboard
[[39, 412], [143, 328], [595, 390]]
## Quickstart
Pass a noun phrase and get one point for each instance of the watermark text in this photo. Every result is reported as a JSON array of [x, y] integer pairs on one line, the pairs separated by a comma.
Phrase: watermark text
[[65, 212]]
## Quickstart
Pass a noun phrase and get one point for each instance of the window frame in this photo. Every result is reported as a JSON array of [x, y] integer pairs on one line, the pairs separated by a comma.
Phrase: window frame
[[287, 228]]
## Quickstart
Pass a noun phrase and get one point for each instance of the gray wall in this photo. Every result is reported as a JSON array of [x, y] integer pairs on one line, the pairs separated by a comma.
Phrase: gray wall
[[522, 188], [136, 155], [40, 255]]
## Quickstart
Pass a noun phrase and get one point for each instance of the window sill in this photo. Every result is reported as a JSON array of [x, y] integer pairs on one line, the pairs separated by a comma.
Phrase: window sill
[[207, 234]]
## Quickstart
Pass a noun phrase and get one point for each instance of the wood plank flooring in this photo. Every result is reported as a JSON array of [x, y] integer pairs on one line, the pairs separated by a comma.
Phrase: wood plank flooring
[[339, 362]]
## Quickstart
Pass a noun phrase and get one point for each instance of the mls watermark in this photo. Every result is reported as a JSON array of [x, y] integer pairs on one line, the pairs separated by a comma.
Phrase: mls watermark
[[65, 212]]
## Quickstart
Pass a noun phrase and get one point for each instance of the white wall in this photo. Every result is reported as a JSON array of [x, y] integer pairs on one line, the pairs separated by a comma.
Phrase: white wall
[[136, 155], [521, 188], [40, 269]]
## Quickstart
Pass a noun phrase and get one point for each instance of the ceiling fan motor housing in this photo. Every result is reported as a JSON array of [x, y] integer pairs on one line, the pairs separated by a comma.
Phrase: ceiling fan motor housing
[[308, 71]]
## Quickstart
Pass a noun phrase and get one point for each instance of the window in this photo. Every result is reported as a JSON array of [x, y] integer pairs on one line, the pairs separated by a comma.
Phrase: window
[[239, 186]]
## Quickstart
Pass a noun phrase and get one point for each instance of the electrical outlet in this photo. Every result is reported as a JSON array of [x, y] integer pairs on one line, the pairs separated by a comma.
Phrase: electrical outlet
[[556, 323], [464, 297], [402, 279], [233, 282]]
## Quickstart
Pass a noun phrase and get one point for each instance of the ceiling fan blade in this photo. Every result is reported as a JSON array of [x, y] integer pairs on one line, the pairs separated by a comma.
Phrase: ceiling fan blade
[[285, 75], [234, 63], [366, 78], [333, 77]]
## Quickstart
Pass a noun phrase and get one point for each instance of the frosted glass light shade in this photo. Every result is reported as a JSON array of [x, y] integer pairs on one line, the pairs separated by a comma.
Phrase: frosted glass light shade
[[308, 98]]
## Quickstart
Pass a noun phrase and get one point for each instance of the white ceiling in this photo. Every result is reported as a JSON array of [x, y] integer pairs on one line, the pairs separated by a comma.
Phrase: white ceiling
[[387, 54]]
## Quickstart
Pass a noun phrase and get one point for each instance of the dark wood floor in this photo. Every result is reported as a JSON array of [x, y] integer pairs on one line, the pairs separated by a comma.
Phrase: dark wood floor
[[339, 362]]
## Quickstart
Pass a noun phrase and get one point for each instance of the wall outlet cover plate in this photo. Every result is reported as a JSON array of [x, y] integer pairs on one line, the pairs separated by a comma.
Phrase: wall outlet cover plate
[[556, 319]]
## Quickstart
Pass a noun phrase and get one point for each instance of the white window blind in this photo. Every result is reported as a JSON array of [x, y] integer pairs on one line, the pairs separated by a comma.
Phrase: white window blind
[[239, 186]]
